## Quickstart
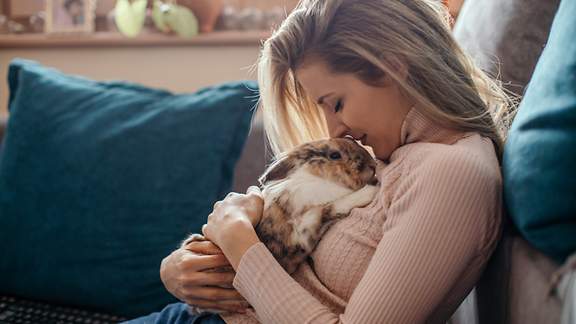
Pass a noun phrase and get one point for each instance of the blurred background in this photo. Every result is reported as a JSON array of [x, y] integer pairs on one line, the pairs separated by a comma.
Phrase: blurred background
[[83, 37]]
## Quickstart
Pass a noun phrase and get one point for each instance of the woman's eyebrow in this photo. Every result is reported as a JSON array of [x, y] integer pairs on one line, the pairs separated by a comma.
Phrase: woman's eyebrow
[[321, 99]]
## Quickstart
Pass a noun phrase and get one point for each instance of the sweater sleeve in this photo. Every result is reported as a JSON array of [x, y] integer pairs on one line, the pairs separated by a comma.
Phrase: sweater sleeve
[[440, 215]]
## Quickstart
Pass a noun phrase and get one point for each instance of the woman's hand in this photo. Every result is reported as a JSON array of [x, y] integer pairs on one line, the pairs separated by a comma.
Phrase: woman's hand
[[231, 224], [184, 274]]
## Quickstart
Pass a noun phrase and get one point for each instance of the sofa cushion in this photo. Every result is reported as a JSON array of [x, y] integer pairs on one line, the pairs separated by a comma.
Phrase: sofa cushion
[[540, 153], [506, 38], [101, 180]]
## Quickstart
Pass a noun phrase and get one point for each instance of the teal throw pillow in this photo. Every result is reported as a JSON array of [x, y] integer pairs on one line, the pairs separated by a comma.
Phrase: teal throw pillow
[[540, 154], [99, 181]]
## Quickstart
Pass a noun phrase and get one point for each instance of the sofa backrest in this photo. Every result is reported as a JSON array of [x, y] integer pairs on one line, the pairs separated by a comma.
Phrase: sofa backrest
[[253, 159], [506, 37]]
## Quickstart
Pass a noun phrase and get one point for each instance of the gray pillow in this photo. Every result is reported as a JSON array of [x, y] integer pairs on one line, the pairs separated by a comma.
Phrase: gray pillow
[[506, 37]]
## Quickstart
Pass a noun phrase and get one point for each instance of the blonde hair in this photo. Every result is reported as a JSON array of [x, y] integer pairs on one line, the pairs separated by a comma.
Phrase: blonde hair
[[370, 38]]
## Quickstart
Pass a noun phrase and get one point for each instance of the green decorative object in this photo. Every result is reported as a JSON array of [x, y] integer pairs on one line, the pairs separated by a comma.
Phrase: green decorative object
[[158, 11], [182, 21], [130, 16], [172, 17]]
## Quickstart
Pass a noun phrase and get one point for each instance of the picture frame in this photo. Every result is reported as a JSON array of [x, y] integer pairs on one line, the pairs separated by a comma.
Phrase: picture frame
[[70, 16]]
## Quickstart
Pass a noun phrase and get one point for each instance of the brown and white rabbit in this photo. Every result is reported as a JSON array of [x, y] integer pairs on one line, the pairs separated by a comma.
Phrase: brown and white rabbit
[[306, 191]]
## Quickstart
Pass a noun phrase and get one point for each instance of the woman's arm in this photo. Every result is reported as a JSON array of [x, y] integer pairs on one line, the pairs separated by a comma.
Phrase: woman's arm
[[441, 218]]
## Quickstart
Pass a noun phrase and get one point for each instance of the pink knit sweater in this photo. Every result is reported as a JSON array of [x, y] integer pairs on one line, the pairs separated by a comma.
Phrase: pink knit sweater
[[411, 256]]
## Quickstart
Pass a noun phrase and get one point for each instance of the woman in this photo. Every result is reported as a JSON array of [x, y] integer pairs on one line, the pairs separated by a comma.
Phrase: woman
[[389, 74]]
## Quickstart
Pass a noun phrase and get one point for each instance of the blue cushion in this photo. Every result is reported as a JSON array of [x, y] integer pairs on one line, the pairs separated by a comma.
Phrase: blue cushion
[[99, 181], [540, 154]]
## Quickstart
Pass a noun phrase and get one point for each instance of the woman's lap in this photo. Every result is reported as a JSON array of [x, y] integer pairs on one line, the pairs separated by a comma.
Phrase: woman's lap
[[177, 313]]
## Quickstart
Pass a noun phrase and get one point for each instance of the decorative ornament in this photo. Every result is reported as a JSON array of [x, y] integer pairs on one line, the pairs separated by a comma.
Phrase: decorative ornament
[[172, 17], [130, 16]]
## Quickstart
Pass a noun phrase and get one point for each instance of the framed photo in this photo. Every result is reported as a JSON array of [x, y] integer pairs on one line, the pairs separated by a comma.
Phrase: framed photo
[[70, 16]]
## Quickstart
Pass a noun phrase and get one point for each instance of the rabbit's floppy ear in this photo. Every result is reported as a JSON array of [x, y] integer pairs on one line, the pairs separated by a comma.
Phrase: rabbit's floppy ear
[[277, 170]]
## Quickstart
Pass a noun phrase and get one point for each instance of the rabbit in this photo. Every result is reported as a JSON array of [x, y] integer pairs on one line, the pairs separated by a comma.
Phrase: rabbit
[[306, 191]]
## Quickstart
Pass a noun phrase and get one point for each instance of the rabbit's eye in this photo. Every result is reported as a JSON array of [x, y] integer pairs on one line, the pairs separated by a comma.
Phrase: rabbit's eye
[[335, 156]]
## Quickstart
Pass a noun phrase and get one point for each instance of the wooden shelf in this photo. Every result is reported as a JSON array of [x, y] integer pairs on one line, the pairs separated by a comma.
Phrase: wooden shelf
[[114, 39]]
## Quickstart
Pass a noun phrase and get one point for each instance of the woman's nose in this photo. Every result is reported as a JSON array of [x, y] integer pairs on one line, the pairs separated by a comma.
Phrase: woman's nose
[[338, 131]]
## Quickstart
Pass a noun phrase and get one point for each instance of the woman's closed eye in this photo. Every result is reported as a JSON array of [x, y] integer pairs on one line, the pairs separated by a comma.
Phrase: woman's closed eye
[[338, 106]]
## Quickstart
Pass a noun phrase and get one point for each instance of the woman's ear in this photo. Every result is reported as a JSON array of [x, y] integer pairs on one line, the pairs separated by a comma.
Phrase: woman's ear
[[278, 170]]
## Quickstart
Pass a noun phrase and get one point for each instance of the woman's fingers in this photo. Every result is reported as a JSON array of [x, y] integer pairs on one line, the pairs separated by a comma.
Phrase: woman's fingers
[[203, 247], [222, 279], [188, 275], [254, 190], [193, 262]]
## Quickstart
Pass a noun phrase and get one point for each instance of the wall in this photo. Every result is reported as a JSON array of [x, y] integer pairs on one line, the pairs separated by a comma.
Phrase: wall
[[179, 69]]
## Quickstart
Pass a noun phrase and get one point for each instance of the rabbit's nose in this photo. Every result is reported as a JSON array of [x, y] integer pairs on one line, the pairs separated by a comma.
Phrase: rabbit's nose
[[366, 166], [362, 166]]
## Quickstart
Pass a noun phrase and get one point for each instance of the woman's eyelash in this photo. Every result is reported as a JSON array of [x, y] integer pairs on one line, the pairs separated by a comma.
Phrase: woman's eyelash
[[338, 106]]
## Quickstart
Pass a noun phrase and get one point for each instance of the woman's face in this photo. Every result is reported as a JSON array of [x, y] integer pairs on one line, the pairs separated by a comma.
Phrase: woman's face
[[371, 114]]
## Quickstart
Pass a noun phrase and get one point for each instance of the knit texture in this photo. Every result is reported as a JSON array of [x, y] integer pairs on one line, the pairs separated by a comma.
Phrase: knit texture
[[410, 256]]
